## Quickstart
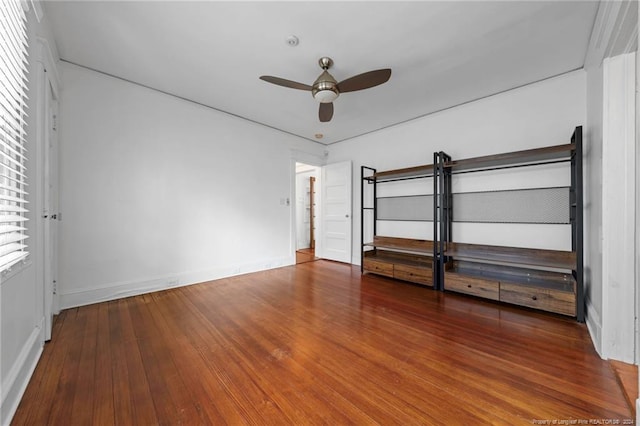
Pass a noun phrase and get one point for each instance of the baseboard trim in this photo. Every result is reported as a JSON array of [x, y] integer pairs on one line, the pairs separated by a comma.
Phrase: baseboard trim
[[119, 290], [15, 384], [594, 325]]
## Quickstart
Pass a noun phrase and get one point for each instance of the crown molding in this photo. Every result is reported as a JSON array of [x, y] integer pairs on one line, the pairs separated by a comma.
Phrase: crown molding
[[615, 31], [37, 8], [48, 57]]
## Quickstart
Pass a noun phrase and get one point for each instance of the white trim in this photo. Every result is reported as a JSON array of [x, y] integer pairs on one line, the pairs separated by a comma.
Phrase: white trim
[[47, 56], [601, 33], [119, 290], [637, 228], [618, 208], [625, 36], [632, 43], [312, 160], [37, 9], [308, 158], [48, 77], [613, 27], [594, 326], [17, 379]]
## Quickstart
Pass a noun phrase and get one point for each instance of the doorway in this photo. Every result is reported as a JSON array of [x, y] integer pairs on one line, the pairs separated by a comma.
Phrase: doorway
[[307, 208]]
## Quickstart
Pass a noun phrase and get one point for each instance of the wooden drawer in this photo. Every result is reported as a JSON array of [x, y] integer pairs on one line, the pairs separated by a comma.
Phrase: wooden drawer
[[546, 299], [377, 267], [414, 274], [488, 289]]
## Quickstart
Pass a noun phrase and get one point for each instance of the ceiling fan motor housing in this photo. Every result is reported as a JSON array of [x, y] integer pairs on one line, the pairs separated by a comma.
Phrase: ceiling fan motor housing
[[325, 88]]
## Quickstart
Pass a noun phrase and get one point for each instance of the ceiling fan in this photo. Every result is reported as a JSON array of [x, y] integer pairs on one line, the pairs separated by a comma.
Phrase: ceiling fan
[[326, 89]]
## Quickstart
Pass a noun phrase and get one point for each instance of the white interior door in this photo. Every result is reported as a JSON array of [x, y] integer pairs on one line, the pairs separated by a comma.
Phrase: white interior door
[[50, 213], [336, 212]]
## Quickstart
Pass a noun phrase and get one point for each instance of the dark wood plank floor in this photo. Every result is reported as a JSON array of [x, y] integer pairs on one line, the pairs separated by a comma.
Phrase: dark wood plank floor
[[316, 343]]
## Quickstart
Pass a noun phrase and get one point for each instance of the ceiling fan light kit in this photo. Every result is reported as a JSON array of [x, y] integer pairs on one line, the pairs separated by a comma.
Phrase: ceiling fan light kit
[[326, 89]]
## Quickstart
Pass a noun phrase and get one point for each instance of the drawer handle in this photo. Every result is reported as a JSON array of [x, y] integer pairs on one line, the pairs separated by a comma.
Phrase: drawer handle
[[534, 297], [469, 285]]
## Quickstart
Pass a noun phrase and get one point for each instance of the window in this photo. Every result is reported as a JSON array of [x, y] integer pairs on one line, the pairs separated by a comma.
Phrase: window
[[13, 88]]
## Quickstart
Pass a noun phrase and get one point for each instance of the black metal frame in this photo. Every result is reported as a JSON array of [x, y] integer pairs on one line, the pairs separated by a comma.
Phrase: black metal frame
[[442, 216], [371, 181], [577, 220]]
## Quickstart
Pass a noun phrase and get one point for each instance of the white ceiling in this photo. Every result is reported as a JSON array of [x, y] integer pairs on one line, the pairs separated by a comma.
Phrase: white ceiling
[[441, 54]]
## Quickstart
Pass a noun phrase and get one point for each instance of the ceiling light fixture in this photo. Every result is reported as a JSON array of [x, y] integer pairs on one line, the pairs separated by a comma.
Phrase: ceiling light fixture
[[325, 88]]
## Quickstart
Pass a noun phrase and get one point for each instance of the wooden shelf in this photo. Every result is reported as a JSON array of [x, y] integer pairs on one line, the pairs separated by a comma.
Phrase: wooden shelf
[[525, 276], [406, 259], [549, 280], [406, 173], [515, 255], [405, 244], [535, 155], [543, 290], [400, 258]]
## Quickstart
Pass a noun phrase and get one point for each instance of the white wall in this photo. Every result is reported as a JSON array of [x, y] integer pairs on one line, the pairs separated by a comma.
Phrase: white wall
[[159, 192], [541, 114], [21, 292]]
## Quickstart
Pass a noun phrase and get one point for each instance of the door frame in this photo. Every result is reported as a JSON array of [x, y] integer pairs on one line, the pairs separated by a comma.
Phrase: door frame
[[48, 86], [304, 199], [311, 161], [305, 158]]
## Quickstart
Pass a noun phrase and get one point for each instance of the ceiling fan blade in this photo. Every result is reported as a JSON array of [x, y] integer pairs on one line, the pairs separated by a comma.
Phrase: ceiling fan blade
[[325, 112], [364, 80], [286, 83]]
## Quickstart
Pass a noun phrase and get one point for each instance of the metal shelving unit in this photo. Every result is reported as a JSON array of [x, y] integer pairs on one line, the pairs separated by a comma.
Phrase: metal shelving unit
[[479, 264], [403, 258]]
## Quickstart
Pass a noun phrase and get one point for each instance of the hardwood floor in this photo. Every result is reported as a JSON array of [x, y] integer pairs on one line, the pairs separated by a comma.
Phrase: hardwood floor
[[305, 255], [627, 375], [316, 343]]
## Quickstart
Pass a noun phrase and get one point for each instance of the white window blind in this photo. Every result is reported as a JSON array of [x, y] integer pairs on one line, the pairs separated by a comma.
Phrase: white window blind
[[13, 173]]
